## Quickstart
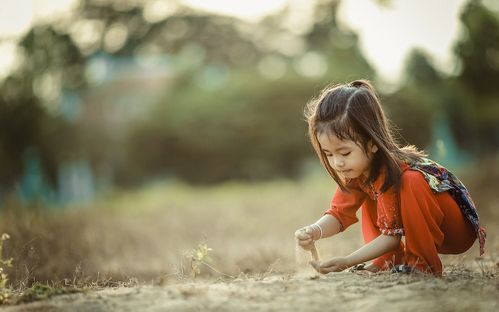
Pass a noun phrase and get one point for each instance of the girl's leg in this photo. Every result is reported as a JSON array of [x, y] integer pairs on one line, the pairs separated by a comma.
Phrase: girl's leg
[[370, 231], [422, 217], [459, 233]]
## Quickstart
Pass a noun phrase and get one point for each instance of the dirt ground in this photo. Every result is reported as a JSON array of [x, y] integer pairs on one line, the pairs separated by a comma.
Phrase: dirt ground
[[305, 291], [150, 236]]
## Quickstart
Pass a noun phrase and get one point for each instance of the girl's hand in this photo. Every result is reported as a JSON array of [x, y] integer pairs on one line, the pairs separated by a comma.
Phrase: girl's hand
[[333, 265], [306, 236], [371, 268]]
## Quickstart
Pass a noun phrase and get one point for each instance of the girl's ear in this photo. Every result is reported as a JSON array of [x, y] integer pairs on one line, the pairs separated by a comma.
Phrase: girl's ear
[[373, 147]]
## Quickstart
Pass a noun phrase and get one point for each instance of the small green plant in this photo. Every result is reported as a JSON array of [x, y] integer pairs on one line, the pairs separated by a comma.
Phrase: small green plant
[[4, 290], [199, 256]]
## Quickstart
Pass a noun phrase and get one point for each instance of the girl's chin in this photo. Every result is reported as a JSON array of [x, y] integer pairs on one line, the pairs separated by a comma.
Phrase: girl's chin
[[350, 174], [347, 173]]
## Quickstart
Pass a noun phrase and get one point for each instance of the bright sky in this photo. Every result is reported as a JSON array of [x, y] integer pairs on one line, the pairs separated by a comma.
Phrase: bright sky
[[386, 34]]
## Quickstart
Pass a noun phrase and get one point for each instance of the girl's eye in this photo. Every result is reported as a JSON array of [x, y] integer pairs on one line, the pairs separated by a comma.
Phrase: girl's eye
[[346, 154]]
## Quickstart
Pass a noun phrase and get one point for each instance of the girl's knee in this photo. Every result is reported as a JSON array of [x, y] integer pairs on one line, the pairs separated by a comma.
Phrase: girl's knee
[[458, 242]]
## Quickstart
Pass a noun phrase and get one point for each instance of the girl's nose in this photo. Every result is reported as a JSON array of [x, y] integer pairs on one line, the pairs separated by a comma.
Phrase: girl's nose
[[339, 163]]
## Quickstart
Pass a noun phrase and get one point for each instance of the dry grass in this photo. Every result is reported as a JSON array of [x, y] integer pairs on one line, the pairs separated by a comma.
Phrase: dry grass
[[147, 236], [151, 232]]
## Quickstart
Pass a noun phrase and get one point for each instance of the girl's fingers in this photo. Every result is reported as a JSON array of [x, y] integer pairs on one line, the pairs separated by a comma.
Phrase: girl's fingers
[[305, 242], [316, 265], [321, 269], [304, 238], [302, 235], [325, 267], [329, 269]]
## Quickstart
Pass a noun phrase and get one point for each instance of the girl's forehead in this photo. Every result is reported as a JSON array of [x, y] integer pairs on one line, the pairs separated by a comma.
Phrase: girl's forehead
[[331, 140]]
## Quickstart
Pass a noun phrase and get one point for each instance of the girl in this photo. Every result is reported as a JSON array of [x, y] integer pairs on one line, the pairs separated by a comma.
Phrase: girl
[[401, 193]]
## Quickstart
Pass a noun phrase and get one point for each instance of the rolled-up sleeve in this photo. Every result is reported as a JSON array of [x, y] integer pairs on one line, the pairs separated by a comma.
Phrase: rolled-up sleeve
[[344, 206]]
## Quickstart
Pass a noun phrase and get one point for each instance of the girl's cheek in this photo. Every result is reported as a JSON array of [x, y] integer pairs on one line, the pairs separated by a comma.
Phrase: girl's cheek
[[330, 160]]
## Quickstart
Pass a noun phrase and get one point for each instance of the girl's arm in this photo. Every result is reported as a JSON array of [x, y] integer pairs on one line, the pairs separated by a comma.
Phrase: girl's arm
[[307, 235], [329, 225], [375, 248]]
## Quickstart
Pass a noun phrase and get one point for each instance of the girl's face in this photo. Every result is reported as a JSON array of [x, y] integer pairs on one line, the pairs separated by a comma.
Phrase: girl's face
[[347, 158]]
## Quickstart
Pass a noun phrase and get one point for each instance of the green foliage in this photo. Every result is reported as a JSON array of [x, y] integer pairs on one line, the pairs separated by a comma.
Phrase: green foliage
[[205, 136], [477, 81], [219, 118], [247, 127], [244, 127], [39, 291], [420, 71], [478, 49], [27, 122], [417, 129], [5, 292], [467, 98]]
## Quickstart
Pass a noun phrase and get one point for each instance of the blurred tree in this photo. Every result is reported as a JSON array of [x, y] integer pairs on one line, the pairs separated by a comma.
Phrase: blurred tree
[[20, 118], [419, 70], [224, 120], [478, 53], [467, 98], [419, 97], [478, 49], [340, 44], [55, 61], [28, 105], [233, 109]]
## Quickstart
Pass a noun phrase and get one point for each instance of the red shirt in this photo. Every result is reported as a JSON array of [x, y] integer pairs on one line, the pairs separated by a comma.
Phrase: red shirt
[[344, 205]]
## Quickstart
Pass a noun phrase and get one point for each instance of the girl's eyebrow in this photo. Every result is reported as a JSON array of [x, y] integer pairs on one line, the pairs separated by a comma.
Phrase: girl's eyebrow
[[336, 150], [341, 148]]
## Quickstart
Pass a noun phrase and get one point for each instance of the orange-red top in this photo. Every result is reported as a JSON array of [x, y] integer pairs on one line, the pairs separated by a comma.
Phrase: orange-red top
[[344, 205]]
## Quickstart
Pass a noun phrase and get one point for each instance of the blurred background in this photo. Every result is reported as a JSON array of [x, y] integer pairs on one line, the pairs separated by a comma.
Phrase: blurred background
[[130, 131]]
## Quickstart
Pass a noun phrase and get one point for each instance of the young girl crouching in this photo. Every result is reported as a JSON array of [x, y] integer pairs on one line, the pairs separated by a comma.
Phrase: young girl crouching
[[400, 192]]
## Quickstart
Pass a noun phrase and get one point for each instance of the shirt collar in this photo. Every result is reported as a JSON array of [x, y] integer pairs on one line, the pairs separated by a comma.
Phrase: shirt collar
[[374, 188]]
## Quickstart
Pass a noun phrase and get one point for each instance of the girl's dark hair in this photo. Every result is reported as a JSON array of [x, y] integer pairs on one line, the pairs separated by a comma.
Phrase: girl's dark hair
[[353, 112]]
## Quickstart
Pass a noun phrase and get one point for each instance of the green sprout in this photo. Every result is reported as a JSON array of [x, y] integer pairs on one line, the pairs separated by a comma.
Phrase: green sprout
[[199, 256]]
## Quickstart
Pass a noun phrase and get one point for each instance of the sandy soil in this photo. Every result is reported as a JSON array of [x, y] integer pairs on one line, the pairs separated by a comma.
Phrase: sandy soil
[[157, 240], [306, 291]]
